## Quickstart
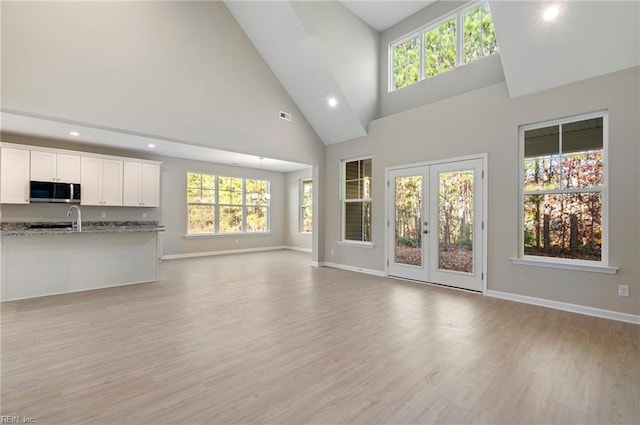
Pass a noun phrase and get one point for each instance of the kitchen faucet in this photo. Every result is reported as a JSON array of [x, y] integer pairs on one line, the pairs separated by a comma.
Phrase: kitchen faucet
[[79, 222]]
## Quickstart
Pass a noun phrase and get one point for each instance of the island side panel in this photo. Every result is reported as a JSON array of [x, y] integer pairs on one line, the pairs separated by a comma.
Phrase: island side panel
[[38, 265]]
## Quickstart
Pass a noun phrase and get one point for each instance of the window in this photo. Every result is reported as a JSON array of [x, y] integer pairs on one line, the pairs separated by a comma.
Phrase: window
[[564, 189], [439, 47], [219, 205], [306, 206], [356, 200], [201, 199]]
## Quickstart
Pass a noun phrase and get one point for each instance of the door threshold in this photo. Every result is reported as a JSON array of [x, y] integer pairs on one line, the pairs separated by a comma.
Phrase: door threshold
[[438, 285]]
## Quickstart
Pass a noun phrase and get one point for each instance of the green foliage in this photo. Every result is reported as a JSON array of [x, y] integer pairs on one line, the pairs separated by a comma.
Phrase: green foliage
[[228, 208], [479, 34], [440, 47]]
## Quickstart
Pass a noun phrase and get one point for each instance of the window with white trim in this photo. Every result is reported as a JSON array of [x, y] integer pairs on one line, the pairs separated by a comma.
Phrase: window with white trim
[[226, 205], [564, 189], [457, 39], [356, 200], [306, 206]]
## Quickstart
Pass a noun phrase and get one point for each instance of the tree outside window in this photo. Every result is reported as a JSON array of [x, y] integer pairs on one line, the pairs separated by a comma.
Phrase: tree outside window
[[219, 204], [563, 188], [455, 40]]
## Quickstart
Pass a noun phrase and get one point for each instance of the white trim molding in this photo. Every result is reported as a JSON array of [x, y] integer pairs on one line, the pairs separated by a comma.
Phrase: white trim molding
[[298, 248], [225, 252], [353, 269], [573, 308], [567, 265]]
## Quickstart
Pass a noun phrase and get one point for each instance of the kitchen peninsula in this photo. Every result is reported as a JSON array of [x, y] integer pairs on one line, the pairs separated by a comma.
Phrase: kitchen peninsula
[[54, 258]]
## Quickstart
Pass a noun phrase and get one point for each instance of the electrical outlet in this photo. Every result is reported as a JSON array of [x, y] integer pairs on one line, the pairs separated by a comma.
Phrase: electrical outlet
[[623, 290], [144, 215], [103, 214]]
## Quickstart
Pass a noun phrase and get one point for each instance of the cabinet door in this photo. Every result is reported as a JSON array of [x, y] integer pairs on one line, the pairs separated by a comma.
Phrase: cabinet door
[[132, 189], [90, 181], [150, 185], [14, 176], [68, 168], [43, 166], [111, 182]]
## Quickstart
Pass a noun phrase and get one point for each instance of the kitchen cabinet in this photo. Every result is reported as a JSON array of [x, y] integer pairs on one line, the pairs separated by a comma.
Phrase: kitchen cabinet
[[141, 184], [58, 167], [14, 176], [101, 181]]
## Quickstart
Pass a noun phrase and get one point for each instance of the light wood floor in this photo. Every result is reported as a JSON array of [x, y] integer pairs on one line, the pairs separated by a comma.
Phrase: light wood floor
[[265, 338]]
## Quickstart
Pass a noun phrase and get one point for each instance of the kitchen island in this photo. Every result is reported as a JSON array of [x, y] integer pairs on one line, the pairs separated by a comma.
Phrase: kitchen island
[[39, 260]]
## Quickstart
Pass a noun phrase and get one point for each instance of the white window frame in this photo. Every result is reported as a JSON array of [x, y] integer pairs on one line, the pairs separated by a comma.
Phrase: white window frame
[[216, 204], [458, 16], [303, 205], [601, 266], [343, 202]]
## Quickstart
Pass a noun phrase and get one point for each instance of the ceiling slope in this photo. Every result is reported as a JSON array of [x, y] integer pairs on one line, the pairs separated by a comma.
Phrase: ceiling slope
[[586, 40], [178, 71], [306, 70]]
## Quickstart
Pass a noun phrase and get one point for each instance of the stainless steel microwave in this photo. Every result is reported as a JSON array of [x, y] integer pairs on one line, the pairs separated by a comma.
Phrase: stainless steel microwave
[[54, 192]]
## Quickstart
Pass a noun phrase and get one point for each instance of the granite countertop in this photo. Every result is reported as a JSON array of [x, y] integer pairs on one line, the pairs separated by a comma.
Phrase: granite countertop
[[26, 228]]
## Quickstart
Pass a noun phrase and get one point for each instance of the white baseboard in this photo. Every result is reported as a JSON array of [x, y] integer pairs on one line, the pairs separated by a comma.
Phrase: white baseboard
[[297, 248], [573, 308], [352, 268], [230, 251]]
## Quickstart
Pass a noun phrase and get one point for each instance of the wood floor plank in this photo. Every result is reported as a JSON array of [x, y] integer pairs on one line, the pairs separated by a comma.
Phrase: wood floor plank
[[266, 338]]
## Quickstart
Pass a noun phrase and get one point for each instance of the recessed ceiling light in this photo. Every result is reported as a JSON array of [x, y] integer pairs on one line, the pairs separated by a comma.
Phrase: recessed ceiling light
[[151, 145], [332, 102], [74, 133], [551, 13]]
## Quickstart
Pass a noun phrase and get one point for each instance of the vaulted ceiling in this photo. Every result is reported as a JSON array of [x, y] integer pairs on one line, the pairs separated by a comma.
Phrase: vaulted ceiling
[[154, 68]]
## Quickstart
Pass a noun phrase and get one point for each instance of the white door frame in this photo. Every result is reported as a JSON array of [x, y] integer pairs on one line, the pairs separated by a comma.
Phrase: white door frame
[[485, 187]]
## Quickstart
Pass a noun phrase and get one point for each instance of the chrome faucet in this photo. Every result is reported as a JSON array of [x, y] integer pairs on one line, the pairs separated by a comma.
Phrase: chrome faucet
[[79, 222]]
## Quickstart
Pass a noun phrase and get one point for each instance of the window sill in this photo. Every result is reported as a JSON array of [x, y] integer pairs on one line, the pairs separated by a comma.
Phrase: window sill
[[225, 235], [557, 264], [356, 244]]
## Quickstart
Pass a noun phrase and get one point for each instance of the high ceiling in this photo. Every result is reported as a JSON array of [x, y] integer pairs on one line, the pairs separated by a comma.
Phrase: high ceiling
[[300, 42], [383, 14]]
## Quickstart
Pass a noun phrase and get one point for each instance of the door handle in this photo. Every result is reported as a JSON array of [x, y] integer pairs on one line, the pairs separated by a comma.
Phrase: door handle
[[425, 231]]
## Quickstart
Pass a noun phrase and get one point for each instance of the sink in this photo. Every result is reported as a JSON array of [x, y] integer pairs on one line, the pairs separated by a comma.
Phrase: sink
[[50, 226]]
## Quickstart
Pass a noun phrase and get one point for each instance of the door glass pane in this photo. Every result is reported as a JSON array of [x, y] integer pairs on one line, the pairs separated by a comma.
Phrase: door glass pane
[[408, 225], [455, 221]]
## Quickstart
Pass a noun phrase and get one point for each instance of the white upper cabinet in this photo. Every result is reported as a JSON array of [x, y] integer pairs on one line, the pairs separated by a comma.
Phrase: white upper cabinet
[[57, 167], [14, 176], [101, 182], [141, 184]]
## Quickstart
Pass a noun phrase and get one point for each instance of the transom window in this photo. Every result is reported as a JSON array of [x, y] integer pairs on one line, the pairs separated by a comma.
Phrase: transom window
[[442, 46], [219, 204], [564, 189], [356, 200]]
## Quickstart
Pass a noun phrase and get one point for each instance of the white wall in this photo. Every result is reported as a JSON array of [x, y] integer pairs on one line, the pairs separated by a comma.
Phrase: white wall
[[180, 70], [487, 120], [349, 48], [293, 236]]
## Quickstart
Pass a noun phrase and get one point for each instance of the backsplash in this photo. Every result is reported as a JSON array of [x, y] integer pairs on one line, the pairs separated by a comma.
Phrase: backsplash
[[58, 212]]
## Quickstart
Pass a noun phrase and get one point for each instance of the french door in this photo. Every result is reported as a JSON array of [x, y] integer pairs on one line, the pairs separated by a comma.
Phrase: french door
[[435, 229]]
